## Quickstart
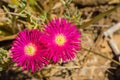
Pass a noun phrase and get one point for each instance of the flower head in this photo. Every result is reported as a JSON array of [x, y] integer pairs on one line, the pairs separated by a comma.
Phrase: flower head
[[62, 39], [27, 50]]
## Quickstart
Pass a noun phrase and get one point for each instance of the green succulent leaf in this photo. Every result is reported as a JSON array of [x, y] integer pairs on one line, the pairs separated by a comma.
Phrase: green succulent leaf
[[8, 38], [1, 68], [97, 18], [6, 30]]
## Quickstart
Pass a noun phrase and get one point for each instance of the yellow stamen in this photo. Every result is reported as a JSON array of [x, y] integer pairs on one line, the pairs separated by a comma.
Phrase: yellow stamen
[[30, 49], [60, 39]]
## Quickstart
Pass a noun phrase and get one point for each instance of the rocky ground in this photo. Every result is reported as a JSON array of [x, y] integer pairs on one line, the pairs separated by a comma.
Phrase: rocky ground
[[88, 65]]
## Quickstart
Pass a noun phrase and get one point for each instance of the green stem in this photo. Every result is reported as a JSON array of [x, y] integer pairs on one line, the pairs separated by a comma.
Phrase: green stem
[[8, 38], [102, 56]]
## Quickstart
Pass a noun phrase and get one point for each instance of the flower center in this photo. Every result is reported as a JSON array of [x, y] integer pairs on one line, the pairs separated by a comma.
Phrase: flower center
[[30, 49], [60, 39]]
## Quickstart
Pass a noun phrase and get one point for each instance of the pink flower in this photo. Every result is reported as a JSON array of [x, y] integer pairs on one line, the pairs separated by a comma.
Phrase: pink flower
[[62, 39], [27, 50]]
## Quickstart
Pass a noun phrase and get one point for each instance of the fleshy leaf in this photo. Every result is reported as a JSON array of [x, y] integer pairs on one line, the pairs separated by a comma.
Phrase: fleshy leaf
[[97, 18]]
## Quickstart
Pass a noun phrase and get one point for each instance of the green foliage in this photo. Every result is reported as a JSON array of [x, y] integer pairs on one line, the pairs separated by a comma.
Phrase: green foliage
[[76, 16], [33, 14], [3, 58], [32, 2], [25, 13], [97, 18], [73, 16]]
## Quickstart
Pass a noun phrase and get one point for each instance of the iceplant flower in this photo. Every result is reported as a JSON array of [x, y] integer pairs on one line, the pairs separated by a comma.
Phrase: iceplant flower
[[62, 40], [27, 50]]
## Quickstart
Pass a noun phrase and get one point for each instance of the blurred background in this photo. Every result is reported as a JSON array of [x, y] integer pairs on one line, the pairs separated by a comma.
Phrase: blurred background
[[97, 59]]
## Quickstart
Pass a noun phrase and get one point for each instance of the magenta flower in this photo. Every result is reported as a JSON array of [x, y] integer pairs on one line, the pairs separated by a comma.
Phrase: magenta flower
[[27, 50], [62, 39]]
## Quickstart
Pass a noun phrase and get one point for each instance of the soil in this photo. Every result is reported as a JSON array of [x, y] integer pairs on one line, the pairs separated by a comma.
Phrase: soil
[[91, 65], [87, 65]]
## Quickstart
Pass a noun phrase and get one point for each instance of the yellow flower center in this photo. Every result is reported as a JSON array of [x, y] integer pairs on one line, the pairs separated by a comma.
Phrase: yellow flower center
[[30, 49], [60, 39]]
